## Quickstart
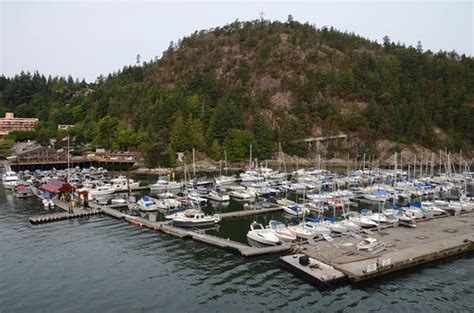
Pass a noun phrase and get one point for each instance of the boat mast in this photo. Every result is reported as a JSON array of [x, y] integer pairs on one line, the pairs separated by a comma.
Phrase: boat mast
[[250, 158], [67, 175], [194, 165], [225, 157]]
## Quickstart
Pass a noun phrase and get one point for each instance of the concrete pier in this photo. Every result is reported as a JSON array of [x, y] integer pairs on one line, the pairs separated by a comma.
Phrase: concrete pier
[[400, 247]]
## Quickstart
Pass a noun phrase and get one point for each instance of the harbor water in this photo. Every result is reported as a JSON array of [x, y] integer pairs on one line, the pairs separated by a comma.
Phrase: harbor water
[[100, 264]]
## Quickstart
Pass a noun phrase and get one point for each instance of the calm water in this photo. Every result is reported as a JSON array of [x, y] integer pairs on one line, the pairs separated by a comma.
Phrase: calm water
[[105, 265]]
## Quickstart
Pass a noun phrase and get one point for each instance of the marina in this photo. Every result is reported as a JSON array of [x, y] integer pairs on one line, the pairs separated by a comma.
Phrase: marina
[[323, 250]]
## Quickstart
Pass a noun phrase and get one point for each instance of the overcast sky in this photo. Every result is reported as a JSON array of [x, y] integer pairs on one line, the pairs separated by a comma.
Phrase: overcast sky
[[89, 38]]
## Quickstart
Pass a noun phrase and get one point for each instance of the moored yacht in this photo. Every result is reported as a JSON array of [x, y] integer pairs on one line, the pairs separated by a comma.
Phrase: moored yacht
[[281, 231], [165, 184], [258, 234], [123, 183], [10, 180], [195, 218]]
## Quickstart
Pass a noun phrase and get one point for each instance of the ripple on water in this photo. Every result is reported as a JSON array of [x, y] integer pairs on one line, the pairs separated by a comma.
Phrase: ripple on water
[[103, 264]]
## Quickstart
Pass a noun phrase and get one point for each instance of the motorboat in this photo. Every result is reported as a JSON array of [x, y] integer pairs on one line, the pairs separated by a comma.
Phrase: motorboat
[[99, 190], [195, 218], [250, 177], [10, 180], [301, 232], [22, 191], [360, 219], [281, 231], [196, 197], [217, 195], [295, 210], [225, 180], [368, 244], [350, 226], [147, 204], [376, 217], [317, 228], [118, 201], [261, 235], [48, 203], [322, 224], [165, 184], [239, 192], [123, 183]]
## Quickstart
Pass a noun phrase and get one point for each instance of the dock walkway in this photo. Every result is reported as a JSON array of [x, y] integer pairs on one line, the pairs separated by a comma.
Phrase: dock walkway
[[184, 233], [58, 216], [249, 212]]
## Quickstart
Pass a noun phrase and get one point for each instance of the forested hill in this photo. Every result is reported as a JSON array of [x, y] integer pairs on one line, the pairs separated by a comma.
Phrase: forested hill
[[261, 83]]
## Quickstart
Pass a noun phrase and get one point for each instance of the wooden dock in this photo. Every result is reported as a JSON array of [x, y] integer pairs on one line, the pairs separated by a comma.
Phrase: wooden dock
[[250, 212], [184, 233], [53, 217]]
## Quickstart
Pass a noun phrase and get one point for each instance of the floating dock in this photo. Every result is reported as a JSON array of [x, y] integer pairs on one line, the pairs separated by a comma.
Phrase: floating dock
[[400, 247], [184, 233], [313, 271], [249, 212], [53, 217]]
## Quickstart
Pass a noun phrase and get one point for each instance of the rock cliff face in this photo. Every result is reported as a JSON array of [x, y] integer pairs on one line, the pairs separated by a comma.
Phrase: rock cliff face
[[328, 82]]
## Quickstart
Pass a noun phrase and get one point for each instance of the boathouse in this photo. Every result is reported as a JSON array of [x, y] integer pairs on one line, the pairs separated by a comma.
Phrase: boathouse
[[56, 188]]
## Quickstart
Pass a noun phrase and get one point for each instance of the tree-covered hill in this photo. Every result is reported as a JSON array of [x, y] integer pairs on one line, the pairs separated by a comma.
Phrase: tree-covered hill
[[261, 83]]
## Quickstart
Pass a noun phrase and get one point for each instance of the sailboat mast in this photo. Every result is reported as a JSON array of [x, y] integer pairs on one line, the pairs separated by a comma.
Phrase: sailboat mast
[[250, 158], [67, 180], [194, 164]]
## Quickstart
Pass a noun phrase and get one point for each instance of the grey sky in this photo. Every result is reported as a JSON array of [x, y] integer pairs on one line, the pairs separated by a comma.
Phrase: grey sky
[[89, 38]]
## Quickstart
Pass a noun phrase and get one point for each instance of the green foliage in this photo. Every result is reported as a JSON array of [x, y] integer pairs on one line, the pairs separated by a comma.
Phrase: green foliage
[[237, 143], [6, 145], [216, 151], [211, 90], [263, 138]]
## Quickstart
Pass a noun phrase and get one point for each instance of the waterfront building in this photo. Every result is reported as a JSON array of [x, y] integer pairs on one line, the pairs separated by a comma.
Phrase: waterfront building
[[11, 123]]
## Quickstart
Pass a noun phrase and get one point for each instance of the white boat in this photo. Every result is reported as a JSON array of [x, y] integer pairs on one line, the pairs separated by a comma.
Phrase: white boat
[[121, 183], [301, 232], [376, 217], [118, 201], [216, 195], [295, 210], [250, 177], [22, 191], [317, 228], [99, 191], [174, 215], [368, 244], [360, 220], [48, 203], [261, 235], [240, 193], [195, 218], [146, 204], [10, 180], [164, 184], [350, 226], [225, 180], [195, 196], [281, 231]]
